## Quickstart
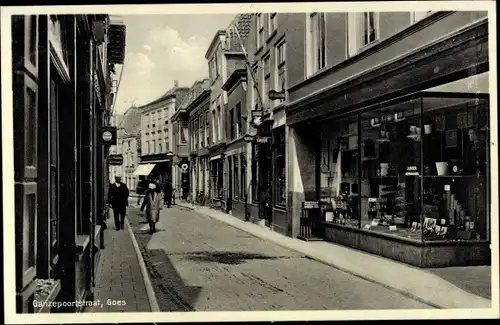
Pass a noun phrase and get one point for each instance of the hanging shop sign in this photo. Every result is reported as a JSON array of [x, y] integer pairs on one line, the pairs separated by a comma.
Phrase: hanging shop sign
[[259, 139], [107, 135], [115, 160], [275, 95], [184, 167]]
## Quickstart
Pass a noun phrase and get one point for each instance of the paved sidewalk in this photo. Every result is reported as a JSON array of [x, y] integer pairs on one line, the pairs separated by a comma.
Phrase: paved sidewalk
[[411, 281], [120, 286]]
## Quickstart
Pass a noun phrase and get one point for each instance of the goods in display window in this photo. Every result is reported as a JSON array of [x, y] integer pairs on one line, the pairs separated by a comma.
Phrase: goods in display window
[[418, 169]]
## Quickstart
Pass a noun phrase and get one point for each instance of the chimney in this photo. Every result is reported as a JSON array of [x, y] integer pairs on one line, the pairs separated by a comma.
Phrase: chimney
[[176, 83]]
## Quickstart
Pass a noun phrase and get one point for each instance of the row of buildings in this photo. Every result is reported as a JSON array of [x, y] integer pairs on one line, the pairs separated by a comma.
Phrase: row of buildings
[[63, 71], [368, 129]]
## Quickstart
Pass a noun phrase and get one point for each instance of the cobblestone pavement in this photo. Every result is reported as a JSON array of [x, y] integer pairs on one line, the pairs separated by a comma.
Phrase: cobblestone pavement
[[119, 282], [200, 264]]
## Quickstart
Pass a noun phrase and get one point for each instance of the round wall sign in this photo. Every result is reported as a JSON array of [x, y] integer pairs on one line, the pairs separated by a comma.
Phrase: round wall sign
[[106, 136], [184, 166]]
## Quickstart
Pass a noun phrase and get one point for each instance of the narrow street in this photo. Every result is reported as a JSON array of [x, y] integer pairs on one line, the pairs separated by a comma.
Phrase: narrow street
[[200, 264]]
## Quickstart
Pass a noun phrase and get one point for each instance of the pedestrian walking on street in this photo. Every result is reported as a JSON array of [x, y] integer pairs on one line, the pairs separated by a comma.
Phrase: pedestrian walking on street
[[167, 193], [173, 196], [118, 199], [153, 203]]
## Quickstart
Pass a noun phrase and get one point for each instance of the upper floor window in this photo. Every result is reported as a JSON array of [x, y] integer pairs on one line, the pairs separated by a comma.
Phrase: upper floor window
[[317, 42], [272, 23], [363, 29], [255, 93], [238, 123], [231, 124], [213, 66], [260, 31], [267, 80], [280, 66], [370, 27], [419, 15]]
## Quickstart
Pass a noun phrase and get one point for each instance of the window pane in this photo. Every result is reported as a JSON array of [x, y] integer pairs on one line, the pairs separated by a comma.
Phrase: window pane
[[29, 231], [391, 170], [279, 168], [339, 183], [455, 174], [31, 128]]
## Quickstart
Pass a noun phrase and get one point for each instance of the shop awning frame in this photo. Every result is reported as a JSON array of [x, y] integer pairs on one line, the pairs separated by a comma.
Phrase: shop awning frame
[[144, 169]]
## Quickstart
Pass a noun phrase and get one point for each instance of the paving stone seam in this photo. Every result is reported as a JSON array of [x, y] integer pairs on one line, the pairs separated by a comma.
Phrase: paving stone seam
[[153, 303]]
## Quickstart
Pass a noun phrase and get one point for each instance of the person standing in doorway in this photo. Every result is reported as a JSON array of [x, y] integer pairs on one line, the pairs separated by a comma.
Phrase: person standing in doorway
[[118, 199], [153, 205], [167, 193]]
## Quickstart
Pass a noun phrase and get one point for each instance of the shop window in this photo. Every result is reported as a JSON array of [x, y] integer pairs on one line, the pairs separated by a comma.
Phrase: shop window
[[339, 172], [243, 179], [455, 174], [391, 164], [236, 177], [316, 42], [424, 169], [255, 174], [279, 167]]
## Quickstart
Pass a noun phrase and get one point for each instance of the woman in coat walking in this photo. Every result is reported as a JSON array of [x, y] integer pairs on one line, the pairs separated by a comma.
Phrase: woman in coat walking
[[153, 202]]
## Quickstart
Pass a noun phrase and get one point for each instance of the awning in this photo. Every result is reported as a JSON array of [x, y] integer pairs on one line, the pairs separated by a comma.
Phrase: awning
[[144, 170], [215, 157]]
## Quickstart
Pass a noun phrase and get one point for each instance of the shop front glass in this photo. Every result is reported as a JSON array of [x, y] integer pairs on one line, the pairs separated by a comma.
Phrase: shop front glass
[[339, 186], [421, 172]]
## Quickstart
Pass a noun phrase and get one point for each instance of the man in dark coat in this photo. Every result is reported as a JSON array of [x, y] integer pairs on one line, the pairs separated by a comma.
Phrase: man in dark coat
[[118, 198], [167, 191]]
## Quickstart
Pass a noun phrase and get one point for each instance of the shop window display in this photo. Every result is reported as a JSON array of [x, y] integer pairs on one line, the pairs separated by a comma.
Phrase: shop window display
[[417, 171], [339, 184], [390, 169], [455, 182]]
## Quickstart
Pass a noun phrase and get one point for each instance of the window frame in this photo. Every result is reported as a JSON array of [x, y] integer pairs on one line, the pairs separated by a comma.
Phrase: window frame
[[272, 23], [279, 152], [414, 19], [280, 70], [259, 28], [316, 54], [266, 78]]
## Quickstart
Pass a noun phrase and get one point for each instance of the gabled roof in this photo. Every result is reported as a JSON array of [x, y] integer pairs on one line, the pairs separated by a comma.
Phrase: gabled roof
[[243, 23], [196, 90], [176, 92]]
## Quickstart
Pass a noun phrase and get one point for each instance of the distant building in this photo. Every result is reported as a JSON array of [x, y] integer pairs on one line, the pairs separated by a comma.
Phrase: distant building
[[225, 55], [156, 136], [128, 125], [183, 139]]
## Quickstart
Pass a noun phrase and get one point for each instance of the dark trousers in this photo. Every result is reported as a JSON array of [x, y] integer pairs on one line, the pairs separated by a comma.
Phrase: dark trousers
[[167, 199], [119, 214]]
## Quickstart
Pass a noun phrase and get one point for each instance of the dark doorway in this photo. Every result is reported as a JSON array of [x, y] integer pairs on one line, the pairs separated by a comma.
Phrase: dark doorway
[[229, 202], [265, 183]]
